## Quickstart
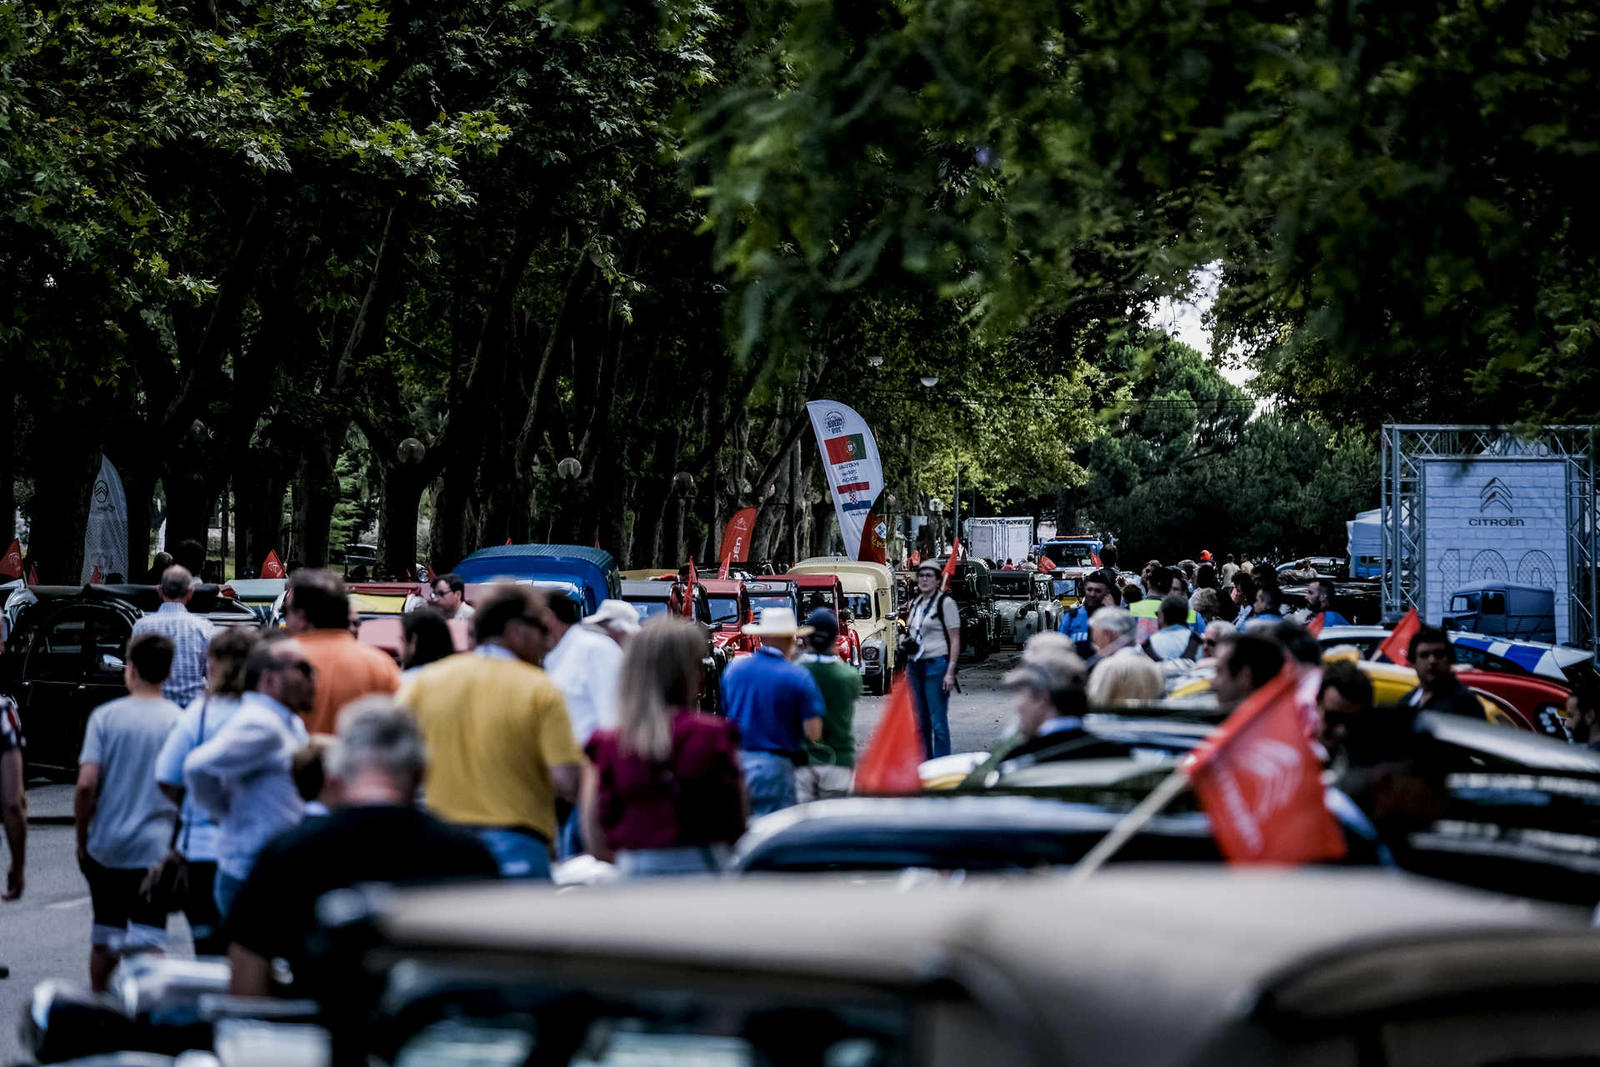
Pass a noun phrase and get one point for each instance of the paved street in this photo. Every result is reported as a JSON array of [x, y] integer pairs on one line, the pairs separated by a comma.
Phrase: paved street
[[46, 934]]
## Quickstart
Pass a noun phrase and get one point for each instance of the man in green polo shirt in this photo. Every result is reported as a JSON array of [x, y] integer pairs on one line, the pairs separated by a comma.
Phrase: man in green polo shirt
[[833, 759]]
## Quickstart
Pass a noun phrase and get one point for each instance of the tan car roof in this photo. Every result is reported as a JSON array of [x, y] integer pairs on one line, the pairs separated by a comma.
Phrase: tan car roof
[[1149, 961]]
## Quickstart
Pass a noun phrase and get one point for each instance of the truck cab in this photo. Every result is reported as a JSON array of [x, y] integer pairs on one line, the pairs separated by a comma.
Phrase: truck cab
[[869, 595], [1501, 609], [1079, 550]]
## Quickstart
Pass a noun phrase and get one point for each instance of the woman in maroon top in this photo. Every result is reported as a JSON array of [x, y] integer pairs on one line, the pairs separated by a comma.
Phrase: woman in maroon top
[[662, 793]]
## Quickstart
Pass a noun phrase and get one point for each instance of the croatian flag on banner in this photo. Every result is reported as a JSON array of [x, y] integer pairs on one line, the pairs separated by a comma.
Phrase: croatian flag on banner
[[855, 475]]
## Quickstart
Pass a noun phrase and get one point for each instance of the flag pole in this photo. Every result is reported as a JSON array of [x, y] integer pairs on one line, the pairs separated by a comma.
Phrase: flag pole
[[1129, 825]]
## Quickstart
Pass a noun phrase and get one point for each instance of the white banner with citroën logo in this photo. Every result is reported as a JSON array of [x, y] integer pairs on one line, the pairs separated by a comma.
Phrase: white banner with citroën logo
[[1494, 520], [855, 474]]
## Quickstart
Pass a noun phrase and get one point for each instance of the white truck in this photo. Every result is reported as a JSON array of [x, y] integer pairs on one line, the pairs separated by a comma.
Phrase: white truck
[[1000, 538]]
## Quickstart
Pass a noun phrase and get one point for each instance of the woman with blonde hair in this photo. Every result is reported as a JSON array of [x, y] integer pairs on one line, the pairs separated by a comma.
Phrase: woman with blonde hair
[[1125, 680], [662, 794]]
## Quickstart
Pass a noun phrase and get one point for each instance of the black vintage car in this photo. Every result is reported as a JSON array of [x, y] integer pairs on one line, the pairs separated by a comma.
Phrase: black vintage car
[[64, 657], [974, 597], [653, 598]]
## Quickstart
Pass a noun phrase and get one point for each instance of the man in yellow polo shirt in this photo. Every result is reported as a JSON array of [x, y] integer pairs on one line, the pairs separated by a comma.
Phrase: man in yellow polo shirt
[[500, 745]]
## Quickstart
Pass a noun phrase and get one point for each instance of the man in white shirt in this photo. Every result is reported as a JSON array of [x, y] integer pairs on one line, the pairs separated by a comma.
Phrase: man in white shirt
[[586, 666]]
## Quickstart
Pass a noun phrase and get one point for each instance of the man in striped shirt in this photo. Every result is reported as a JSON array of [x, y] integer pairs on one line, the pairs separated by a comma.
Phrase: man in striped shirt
[[190, 636]]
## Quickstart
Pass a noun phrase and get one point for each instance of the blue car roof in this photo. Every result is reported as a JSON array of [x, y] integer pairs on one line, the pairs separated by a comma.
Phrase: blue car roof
[[592, 569]]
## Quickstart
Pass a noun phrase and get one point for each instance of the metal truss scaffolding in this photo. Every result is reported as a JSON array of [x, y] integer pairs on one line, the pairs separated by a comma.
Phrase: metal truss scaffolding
[[1406, 449]]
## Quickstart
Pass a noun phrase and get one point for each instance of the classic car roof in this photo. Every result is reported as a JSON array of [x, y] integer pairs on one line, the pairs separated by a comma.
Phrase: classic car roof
[[1535, 657], [637, 589], [841, 566], [722, 585], [1145, 965], [493, 562], [811, 581], [207, 596], [258, 588]]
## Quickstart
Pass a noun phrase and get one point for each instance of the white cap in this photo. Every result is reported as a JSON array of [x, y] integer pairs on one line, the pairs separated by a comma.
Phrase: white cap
[[615, 615]]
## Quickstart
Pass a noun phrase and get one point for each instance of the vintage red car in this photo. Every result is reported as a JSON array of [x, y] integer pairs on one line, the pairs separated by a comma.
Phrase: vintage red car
[[826, 591]]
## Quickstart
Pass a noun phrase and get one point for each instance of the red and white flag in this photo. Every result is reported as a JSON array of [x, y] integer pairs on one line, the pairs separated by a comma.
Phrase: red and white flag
[[1261, 785], [11, 562], [889, 765], [95, 577], [272, 567], [1397, 646]]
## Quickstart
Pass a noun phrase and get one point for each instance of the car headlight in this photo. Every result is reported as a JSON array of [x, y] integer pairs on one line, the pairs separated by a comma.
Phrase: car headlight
[[869, 652]]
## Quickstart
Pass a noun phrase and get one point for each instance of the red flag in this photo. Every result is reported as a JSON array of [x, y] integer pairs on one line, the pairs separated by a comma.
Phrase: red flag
[[1261, 785], [1397, 646], [33, 574], [11, 562], [688, 592], [272, 566], [1316, 623], [1046, 564], [508, 540], [95, 577], [1094, 557], [889, 766], [915, 557], [736, 539], [873, 533], [950, 564]]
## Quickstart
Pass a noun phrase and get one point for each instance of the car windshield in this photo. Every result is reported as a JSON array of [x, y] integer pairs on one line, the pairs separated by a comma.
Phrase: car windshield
[[758, 604], [811, 599], [1464, 603], [859, 605], [649, 609], [1069, 555], [1063, 587], [725, 610]]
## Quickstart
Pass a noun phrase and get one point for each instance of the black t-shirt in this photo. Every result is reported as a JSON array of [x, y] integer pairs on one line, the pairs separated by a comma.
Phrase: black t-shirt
[[276, 906]]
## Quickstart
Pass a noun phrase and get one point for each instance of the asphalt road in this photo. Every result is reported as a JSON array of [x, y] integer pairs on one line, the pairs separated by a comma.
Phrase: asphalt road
[[46, 933]]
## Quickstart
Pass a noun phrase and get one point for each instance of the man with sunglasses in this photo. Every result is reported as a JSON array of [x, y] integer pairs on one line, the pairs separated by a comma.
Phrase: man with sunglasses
[[242, 775]]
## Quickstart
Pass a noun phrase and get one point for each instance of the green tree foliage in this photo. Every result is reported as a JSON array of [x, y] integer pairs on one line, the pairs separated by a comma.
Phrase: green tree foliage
[[1398, 194], [1188, 464]]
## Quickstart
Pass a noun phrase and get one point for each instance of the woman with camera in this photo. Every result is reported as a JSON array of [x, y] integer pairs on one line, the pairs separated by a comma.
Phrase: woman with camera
[[930, 649]]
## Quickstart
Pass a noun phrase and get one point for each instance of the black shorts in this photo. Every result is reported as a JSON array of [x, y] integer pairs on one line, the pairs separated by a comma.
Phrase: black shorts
[[121, 919]]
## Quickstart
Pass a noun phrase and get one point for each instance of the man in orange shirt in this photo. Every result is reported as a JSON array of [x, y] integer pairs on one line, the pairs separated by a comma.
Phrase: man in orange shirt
[[318, 615]]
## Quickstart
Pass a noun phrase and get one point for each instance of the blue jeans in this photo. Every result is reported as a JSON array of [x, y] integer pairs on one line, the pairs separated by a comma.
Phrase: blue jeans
[[519, 855], [689, 860], [932, 703], [769, 779]]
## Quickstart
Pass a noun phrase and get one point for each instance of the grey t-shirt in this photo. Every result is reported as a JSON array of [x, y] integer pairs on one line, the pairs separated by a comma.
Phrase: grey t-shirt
[[132, 824]]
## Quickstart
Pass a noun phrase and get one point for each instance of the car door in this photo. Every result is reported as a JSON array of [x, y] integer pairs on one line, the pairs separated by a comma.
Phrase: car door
[[74, 665]]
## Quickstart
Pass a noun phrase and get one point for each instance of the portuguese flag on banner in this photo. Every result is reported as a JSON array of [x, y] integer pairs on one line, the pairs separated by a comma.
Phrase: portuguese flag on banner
[[848, 449]]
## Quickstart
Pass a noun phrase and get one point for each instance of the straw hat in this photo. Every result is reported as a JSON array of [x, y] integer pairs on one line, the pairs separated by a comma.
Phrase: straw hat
[[776, 622]]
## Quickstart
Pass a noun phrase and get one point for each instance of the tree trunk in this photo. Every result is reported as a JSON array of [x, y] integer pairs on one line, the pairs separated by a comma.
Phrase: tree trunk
[[139, 487], [8, 472], [258, 518], [188, 505], [319, 492], [402, 496], [64, 468]]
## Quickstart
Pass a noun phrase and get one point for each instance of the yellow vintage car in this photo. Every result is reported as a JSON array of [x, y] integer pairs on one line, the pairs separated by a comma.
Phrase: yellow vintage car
[[1390, 684], [869, 596]]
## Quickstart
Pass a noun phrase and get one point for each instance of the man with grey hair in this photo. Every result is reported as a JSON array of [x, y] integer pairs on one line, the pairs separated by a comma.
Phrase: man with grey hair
[[376, 834], [190, 636], [1112, 632]]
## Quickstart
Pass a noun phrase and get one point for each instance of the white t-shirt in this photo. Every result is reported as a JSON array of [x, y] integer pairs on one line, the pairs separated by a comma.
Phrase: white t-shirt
[[586, 666], [925, 626]]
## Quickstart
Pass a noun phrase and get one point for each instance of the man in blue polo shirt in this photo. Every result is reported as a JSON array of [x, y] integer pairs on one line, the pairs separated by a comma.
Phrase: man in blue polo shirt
[[777, 708], [1099, 591], [1319, 599]]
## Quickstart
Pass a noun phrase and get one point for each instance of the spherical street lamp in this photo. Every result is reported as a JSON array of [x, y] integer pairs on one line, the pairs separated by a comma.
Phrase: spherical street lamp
[[930, 380], [569, 469], [683, 484], [411, 451]]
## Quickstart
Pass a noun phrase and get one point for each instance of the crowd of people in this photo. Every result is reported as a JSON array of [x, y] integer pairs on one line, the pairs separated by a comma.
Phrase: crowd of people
[[246, 772]]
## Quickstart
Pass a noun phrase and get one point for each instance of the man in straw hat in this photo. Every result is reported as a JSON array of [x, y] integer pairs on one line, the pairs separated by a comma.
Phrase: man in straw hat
[[777, 708]]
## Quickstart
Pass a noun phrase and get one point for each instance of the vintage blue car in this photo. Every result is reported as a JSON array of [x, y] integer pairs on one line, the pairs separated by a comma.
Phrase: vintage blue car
[[591, 573]]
